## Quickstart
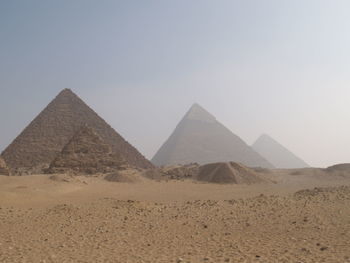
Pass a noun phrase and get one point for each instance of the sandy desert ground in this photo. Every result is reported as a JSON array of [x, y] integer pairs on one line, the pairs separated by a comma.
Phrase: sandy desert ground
[[88, 219]]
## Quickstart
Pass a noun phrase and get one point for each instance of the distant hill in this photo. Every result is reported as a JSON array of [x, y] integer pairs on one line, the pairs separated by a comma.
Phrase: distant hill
[[277, 154], [44, 138], [344, 167], [200, 138]]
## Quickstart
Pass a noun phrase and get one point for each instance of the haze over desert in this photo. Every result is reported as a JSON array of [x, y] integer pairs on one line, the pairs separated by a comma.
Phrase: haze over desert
[[157, 131]]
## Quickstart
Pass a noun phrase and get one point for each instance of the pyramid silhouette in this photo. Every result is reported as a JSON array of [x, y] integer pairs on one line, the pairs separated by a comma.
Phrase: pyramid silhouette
[[3, 167], [86, 153], [277, 154], [44, 138], [200, 138]]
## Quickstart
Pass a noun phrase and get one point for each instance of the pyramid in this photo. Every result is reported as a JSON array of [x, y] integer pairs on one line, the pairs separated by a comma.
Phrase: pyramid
[[227, 173], [277, 154], [3, 168], [44, 138], [86, 153], [200, 138]]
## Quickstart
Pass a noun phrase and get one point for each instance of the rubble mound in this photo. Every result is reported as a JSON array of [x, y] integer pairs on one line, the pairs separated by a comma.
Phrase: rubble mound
[[175, 172], [343, 167], [125, 176], [3, 168], [228, 173], [86, 153]]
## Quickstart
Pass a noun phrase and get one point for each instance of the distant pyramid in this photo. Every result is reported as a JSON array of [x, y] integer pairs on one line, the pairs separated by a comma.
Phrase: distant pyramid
[[3, 168], [200, 138], [277, 154], [40, 142], [86, 153]]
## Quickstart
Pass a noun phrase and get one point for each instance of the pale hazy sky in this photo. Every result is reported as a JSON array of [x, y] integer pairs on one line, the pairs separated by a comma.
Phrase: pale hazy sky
[[277, 67]]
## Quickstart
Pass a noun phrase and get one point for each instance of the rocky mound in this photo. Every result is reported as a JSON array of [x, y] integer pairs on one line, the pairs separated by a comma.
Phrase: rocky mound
[[125, 176], [343, 167], [228, 173], [86, 153], [44, 138], [62, 178], [176, 172], [3, 168]]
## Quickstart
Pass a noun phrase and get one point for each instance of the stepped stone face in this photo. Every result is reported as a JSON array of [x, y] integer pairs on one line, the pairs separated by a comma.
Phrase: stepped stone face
[[44, 138], [200, 138], [3, 168], [86, 153], [277, 154]]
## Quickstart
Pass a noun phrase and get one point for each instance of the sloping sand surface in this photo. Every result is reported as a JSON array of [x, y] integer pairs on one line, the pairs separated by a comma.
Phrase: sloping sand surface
[[88, 219]]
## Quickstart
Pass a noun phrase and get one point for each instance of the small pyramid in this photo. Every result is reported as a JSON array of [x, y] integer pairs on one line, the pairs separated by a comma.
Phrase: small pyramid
[[228, 173], [43, 139], [86, 153], [277, 154], [3, 168], [200, 138]]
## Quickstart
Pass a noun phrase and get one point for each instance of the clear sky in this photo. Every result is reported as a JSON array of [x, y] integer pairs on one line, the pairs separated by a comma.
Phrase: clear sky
[[279, 67]]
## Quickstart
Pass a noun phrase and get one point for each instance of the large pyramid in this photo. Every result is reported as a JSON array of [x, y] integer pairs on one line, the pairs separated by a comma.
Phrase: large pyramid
[[86, 153], [277, 154], [200, 138], [44, 138]]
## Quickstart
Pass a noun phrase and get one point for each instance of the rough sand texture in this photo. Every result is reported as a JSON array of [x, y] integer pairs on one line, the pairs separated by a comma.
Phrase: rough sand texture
[[87, 219]]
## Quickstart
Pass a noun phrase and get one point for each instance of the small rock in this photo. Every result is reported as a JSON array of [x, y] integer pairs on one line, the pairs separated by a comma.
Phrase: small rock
[[323, 248]]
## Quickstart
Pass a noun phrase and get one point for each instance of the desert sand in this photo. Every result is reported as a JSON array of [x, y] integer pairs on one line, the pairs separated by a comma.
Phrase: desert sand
[[62, 218]]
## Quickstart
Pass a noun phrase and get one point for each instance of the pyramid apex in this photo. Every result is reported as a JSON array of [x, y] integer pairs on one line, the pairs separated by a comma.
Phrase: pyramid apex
[[196, 105], [265, 136], [66, 92], [197, 112]]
